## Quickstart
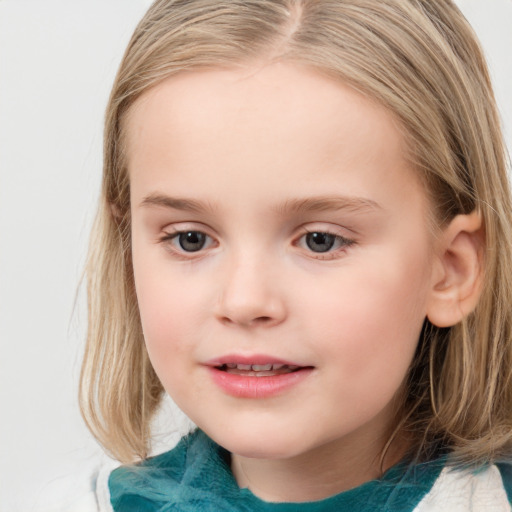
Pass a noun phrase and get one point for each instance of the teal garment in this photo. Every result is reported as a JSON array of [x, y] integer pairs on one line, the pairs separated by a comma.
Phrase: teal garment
[[196, 477], [506, 475]]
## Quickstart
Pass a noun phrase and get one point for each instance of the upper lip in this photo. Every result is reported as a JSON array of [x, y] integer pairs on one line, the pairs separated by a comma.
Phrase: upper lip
[[254, 359]]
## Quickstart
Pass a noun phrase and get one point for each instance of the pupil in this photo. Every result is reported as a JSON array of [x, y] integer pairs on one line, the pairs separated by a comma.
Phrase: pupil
[[320, 242], [192, 241]]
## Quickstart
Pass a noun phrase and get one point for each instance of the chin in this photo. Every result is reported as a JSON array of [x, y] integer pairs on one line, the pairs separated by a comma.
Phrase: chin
[[258, 444]]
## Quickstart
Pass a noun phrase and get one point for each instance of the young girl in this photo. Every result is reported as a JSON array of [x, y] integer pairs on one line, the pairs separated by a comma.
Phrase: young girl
[[304, 237]]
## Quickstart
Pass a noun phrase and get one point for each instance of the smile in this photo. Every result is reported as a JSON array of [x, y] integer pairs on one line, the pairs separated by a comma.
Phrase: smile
[[257, 377], [258, 370]]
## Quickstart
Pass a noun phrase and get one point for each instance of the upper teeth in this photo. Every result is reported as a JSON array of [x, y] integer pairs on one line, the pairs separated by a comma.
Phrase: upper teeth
[[259, 367]]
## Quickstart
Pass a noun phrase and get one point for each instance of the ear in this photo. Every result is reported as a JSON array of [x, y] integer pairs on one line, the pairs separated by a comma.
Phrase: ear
[[458, 271]]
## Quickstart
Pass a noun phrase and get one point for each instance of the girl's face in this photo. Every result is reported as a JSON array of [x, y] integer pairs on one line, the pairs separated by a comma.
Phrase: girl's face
[[282, 258]]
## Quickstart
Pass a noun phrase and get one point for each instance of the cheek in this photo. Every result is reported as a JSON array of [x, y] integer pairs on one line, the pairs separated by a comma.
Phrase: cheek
[[168, 319], [168, 325], [168, 308], [371, 320]]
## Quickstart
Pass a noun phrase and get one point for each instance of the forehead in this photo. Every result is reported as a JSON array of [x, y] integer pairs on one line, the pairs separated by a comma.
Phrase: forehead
[[269, 121]]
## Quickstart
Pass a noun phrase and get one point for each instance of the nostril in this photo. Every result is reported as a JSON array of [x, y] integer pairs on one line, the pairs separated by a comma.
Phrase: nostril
[[262, 320]]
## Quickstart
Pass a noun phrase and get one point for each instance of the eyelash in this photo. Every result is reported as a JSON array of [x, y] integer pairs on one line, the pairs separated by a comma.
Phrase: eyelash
[[342, 243], [169, 238]]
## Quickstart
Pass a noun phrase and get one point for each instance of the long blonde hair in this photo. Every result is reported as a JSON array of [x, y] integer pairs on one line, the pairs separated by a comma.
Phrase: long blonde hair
[[418, 58]]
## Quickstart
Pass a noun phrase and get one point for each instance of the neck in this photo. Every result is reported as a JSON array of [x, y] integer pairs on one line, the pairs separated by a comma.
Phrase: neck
[[319, 473]]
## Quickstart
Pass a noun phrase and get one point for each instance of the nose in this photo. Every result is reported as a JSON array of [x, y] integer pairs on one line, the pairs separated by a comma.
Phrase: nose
[[250, 294]]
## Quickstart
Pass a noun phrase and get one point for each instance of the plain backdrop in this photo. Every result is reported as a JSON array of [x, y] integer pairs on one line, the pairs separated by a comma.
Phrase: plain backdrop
[[57, 62]]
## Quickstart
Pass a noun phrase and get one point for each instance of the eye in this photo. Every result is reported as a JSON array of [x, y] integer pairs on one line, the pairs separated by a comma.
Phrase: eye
[[323, 242], [188, 241], [320, 242], [191, 241]]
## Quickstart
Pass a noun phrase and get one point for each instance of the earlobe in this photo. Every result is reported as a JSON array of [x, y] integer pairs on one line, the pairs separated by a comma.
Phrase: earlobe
[[459, 267]]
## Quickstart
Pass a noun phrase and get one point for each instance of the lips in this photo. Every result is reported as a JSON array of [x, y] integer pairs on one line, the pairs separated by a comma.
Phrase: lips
[[256, 376], [258, 370]]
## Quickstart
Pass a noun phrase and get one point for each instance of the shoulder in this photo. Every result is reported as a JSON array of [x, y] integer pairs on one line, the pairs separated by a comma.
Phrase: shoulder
[[85, 490], [506, 475], [461, 490], [102, 490], [194, 476], [171, 464]]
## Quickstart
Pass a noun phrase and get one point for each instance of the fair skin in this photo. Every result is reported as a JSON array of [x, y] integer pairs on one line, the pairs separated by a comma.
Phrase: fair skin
[[308, 243]]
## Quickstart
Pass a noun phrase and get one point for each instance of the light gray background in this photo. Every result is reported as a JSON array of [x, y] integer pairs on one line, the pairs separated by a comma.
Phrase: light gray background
[[57, 62]]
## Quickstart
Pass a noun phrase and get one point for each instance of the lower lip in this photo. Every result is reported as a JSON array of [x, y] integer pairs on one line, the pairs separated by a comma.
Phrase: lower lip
[[241, 386]]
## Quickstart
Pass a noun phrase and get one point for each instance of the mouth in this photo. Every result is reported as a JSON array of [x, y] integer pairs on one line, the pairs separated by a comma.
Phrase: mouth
[[257, 376], [258, 370]]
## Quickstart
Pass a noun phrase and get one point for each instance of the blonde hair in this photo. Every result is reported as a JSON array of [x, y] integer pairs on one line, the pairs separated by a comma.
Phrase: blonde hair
[[418, 58]]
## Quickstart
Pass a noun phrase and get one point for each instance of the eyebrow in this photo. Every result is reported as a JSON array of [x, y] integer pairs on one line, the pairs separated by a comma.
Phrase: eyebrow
[[328, 203], [291, 206], [176, 203]]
